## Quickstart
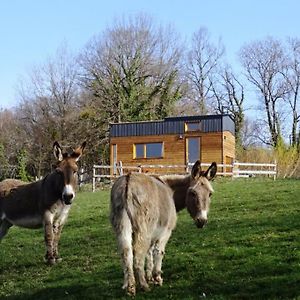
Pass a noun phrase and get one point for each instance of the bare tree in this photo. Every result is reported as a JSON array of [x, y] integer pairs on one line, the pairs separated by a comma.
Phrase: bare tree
[[201, 67], [48, 107], [132, 69], [251, 134], [263, 62], [229, 97], [291, 73], [9, 140]]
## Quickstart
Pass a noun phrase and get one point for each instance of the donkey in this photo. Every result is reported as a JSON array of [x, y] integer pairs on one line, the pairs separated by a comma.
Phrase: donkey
[[7, 185], [143, 214], [45, 203]]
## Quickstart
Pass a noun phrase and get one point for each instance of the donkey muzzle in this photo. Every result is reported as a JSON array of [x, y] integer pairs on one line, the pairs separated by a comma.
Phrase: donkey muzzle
[[68, 195], [200, 222], [68, 198], [201, 218]]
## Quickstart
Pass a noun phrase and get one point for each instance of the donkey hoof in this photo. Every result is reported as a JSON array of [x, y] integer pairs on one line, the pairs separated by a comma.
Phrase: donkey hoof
[[150, 279], [145, 287], [58, 259], [131, 290], [158, 280], [50, 261]]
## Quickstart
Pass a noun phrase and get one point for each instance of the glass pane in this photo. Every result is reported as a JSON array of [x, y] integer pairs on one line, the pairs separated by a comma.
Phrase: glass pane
[[154, 150], [193, 145], [139, 150], [195, 126]]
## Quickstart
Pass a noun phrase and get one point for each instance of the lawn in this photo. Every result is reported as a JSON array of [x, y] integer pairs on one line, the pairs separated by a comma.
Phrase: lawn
[[250, 249]]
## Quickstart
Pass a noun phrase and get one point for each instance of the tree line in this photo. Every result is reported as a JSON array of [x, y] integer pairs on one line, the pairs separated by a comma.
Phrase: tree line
[[138, 70]]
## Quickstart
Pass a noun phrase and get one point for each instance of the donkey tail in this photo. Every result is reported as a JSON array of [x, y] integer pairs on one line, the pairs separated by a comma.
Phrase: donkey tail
[[121, 220], [120, 212]]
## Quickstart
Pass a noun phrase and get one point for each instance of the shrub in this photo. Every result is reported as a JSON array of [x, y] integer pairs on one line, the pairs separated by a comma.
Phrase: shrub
[[22, 162]]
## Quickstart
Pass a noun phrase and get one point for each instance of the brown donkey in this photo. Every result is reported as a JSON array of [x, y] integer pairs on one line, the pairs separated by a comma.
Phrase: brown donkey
[[44, 203], [143, 215], [8, 184]]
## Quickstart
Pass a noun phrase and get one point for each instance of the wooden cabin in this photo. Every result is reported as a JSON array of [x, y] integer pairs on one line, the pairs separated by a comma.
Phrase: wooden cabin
[[173, 141]]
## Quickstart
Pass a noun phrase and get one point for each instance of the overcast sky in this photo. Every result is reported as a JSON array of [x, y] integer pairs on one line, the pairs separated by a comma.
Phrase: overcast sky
[[32, 30]]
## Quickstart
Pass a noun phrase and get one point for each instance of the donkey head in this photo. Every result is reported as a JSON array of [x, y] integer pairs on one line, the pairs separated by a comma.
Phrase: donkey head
[[199, 192], [66, 171]]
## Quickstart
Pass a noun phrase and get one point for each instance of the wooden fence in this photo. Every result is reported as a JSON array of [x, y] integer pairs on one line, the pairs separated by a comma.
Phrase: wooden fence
[[237, 169]]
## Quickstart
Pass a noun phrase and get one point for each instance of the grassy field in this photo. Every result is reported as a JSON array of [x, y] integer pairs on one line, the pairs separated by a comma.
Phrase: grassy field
[[249, 250]]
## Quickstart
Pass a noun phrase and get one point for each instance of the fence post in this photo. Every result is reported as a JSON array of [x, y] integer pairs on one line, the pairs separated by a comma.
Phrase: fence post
[[235, 170], [275, 169], [81, 177], [120, 168], [187, 167], [94, 178]]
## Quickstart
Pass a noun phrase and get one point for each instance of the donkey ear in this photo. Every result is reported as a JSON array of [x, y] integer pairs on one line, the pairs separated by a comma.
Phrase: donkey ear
[[78, 151], [196, 170], [211, 171], [57, 151]]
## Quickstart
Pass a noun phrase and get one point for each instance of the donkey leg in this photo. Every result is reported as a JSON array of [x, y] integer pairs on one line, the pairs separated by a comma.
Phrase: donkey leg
[[56, 237], [4, 227], [158, 254], [57, 229], [48, 228], [124, 238], [149, 264], [141, 247]]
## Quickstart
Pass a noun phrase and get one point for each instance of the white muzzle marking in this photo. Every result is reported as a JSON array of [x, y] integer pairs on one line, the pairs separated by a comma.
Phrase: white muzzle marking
[[68, 190], [204, 214]]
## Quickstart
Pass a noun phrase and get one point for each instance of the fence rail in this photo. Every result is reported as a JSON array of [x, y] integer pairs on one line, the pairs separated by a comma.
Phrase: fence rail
[[234, 170]]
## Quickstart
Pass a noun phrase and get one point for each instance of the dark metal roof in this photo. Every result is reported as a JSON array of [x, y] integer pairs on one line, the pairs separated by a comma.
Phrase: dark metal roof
[[172, 125]]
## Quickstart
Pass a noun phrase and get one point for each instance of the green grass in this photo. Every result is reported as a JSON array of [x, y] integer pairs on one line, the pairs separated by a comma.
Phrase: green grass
[[249, 250]]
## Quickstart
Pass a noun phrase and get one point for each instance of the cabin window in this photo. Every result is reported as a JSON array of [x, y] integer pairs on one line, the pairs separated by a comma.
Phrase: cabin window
[[193, 126], [139, 150], [154, 150], [148, 150]]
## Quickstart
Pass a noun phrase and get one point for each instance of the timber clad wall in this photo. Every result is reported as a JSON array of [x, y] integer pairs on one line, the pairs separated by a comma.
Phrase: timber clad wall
[[215, 133], [172, 150]]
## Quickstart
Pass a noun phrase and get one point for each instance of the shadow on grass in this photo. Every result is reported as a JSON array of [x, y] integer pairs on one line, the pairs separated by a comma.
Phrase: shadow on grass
[[105, 283]]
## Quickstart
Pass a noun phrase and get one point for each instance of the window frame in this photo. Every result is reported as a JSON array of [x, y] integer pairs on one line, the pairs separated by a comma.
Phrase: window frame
[[186, 126], [145, 151]]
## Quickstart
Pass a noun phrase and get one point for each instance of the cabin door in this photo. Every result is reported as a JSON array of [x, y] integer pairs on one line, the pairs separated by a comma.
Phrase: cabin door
[[192, 145]]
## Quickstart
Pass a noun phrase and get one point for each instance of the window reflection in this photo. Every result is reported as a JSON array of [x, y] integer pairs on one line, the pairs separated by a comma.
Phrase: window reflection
[[193, 149], [148, 150]]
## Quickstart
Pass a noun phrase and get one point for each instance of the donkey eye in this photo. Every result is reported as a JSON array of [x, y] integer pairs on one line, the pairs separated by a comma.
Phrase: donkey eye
[[192, 193], [210, 194]]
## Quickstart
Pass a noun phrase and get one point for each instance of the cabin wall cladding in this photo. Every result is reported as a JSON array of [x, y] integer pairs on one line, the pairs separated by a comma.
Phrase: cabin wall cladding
[[181, 140]]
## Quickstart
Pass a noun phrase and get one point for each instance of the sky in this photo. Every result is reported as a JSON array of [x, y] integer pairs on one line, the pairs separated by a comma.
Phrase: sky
[[32, 30]]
